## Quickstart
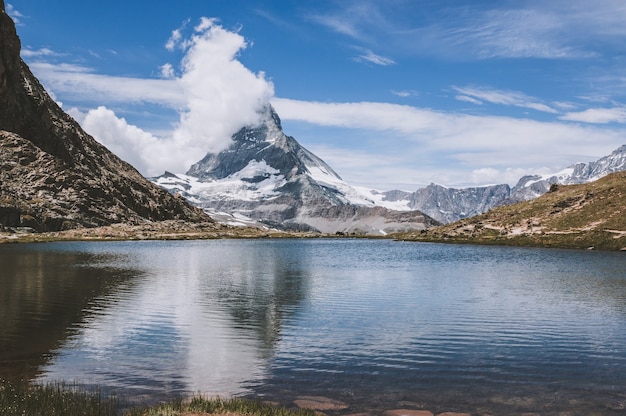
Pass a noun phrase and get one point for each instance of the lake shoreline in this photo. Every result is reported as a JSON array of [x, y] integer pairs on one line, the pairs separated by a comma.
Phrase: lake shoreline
[[181, 230], [165, 230]]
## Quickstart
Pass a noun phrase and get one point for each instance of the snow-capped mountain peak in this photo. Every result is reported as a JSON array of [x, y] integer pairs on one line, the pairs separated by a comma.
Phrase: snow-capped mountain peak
[[268, 176]]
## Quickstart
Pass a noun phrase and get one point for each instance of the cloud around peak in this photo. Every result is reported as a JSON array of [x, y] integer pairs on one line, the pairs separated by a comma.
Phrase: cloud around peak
[[213, 92]]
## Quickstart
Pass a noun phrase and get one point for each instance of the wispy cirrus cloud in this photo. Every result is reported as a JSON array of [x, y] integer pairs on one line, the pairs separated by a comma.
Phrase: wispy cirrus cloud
[[15, 14], [510, 98], [468, 99], [557, 29], [405, 93], [352, 18], [370, 57], [598, 115], [43, 52]]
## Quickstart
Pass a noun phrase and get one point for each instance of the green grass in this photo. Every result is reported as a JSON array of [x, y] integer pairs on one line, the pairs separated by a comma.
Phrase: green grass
[[20, 399], [53, 399], [218, 406]]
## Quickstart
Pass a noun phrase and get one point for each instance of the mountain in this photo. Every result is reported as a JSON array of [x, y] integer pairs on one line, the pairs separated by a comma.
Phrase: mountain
[[448, 205], [268, 177], [570, 216], [55, 176], [532, 186]]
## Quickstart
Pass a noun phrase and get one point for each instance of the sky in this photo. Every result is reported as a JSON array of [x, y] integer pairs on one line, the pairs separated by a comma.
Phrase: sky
[[393, 94]]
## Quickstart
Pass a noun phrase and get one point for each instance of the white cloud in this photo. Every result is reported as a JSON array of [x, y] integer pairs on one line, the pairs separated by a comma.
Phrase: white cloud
[[444, 147], [598, 115], [557, 29], [130, 143], [371, 57], [511, 98], [338, 24], [221, 95], [510, 33], [404, 93], [176, 38], [81, 83], [216, 96], [491, 176], [564, 105], [15, 14], [468, 99], [167, 71], [30, 53]]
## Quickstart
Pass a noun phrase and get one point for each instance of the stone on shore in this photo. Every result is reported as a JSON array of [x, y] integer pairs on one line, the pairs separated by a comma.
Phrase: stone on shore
[[319, 403], [453, 414], [408, 412]]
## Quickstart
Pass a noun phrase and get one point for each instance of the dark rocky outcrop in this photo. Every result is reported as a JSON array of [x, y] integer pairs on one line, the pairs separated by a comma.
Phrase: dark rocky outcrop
[[55, 176]]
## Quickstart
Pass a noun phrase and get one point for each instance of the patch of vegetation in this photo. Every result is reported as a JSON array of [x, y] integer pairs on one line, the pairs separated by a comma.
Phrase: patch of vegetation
[[200, 405], [22, 399]]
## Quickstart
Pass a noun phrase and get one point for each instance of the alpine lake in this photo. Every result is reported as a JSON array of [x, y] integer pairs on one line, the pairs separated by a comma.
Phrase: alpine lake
[[375, 324]]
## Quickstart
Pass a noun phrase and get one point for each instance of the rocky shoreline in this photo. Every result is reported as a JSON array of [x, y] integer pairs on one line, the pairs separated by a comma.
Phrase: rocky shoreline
[[162, 230], [320, 404]]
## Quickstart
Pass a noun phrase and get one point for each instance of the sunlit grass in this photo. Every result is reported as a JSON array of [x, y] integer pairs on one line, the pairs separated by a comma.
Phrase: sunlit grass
[[53, 399], [218, 406], [20, 399]]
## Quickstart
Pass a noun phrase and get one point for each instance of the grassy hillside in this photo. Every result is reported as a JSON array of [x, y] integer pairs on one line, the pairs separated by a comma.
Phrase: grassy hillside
[[574, 216]]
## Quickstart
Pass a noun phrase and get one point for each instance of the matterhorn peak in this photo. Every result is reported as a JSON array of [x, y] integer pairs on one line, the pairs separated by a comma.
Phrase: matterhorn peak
[[264, 143], [268, 177]]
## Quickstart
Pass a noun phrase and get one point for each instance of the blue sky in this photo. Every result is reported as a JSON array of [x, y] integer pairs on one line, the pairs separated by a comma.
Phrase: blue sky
[[392, 94]]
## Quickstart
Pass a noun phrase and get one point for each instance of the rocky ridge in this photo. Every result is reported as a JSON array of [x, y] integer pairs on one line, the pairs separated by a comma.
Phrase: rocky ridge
[[448, 205], [53, 175]]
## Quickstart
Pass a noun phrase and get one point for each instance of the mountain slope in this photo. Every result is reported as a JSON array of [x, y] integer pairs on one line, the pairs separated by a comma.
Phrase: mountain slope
[[55, 176], [571, 216], [269, 177]]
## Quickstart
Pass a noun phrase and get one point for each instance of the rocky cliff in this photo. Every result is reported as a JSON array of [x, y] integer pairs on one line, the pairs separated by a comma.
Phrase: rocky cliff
[[55, 176], [450, 204]]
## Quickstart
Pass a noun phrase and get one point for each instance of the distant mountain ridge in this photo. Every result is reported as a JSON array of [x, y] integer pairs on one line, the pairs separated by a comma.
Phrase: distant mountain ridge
[[268, 177], [53, 175], [584, 216], [448, 205], [532, 186]]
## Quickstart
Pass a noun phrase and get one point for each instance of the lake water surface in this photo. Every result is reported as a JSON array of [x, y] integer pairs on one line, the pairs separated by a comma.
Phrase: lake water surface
[[376, 324]]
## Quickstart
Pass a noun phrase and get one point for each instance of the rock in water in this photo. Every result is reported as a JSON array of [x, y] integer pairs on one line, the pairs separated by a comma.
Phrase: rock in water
[[55, 176]]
